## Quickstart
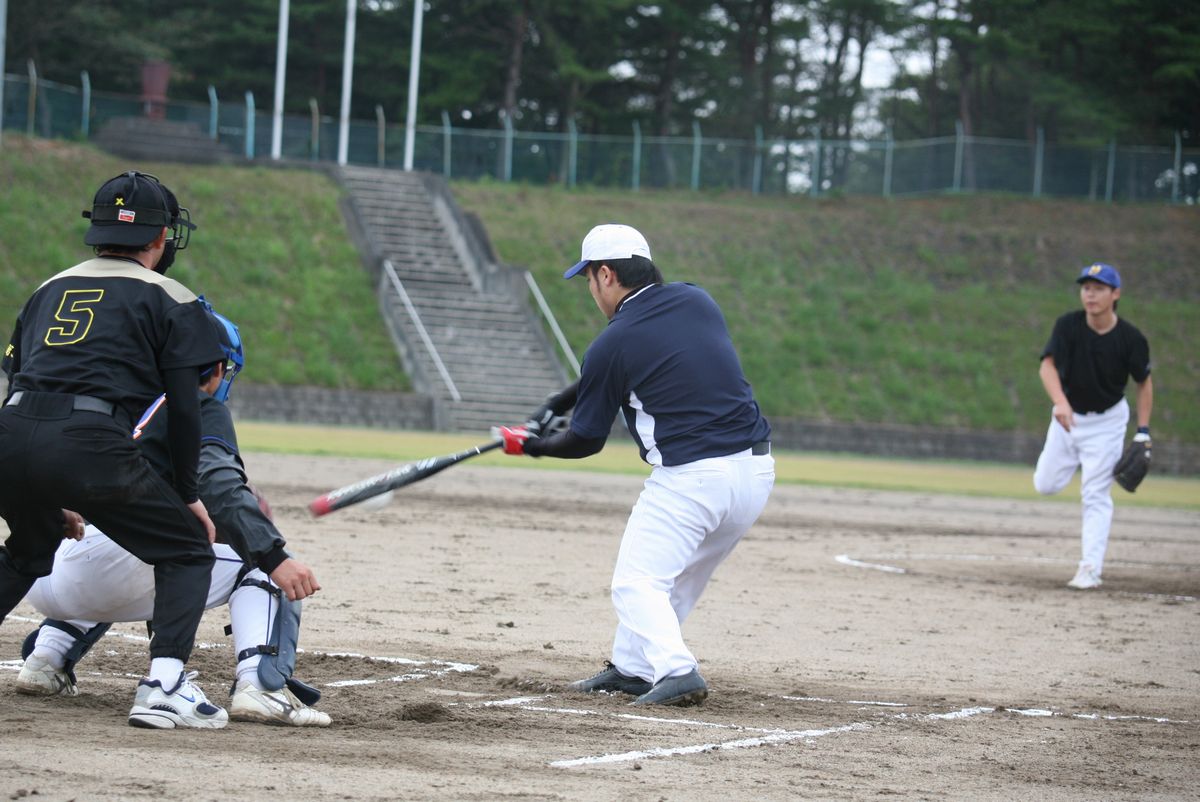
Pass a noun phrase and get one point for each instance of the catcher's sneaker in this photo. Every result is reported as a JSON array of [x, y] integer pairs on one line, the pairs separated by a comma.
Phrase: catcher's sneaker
[[273, 707], [611, 680], [184, 705], [39, 678], [1085, 578], [686, 689]]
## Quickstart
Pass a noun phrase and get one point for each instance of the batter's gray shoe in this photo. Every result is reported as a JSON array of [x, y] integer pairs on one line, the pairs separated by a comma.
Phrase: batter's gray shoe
[[39, 678], [611, 680], [682, 691], [184, 705]]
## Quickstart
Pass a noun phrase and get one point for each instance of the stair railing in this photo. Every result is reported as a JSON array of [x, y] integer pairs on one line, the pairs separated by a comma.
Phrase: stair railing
[[546, 313], [424, 335]]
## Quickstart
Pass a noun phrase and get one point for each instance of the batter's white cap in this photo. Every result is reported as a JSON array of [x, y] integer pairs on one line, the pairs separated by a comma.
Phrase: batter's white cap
[[609, 241]]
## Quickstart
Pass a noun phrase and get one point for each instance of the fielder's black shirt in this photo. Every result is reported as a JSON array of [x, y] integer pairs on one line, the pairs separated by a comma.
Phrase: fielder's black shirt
[[1094, 368], [108, 328]]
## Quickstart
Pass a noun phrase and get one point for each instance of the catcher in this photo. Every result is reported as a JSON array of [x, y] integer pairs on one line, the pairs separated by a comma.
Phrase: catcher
[[1085, 366], [95, 581]]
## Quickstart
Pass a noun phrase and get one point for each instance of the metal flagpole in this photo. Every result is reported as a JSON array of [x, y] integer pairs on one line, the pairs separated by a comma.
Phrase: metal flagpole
[[414, 75], [3, 34], [280, 70], [347, 76]]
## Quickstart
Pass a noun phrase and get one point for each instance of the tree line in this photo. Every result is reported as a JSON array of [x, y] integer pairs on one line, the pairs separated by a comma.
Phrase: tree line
[[1081, 70]]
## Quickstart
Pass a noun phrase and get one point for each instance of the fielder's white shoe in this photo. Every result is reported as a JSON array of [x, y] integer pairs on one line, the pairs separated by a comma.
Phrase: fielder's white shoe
[[273, 707], [1085, 578], [184, 705], [39, 678]]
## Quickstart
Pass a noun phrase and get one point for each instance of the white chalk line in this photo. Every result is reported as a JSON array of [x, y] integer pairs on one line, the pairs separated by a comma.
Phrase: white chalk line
[[741, 743], [846, 559], [774, 737], [438, 667], [771, 738], [844, 701]]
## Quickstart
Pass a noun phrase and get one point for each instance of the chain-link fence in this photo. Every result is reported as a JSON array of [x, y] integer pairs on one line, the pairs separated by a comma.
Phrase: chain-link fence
[[1108, 172]]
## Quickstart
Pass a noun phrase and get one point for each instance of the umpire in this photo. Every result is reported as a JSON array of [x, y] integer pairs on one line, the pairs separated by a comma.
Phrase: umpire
[[91, 349]]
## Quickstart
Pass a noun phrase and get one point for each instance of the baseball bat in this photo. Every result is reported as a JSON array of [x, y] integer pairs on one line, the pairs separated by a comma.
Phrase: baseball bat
[[390, 480]]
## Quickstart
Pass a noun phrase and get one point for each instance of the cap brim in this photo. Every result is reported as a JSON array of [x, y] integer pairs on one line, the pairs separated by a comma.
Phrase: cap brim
[[1098, 280], [576, 269], [130, 234]]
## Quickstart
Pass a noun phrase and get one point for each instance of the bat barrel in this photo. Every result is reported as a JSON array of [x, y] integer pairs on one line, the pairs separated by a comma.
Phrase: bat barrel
[[399, 477]]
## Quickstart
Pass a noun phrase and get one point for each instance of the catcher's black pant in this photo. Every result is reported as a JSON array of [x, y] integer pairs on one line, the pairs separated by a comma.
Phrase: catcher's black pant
[[53, 456]]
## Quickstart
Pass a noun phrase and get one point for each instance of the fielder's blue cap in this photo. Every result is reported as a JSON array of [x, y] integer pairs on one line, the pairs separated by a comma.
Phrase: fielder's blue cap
[[1105, 274]]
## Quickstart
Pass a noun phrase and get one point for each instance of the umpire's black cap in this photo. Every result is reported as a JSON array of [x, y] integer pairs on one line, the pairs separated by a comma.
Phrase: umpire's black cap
[[131, 209]]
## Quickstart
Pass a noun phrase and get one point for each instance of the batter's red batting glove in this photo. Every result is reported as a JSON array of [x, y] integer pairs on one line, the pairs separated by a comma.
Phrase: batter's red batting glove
[[514, 438]]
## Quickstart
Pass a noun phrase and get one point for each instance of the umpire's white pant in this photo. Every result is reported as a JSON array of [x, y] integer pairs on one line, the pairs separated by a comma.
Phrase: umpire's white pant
[[1094, 443], [94, 580], [686, 521]]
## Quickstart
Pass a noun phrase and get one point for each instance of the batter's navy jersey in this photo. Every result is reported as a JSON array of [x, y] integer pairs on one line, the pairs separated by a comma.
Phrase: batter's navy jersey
[[108, 328], [1094, 367], [666, 361]]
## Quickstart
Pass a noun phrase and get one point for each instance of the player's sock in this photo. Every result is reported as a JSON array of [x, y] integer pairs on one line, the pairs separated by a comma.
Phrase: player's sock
[[166, 670], [247, 671], [52, 646]]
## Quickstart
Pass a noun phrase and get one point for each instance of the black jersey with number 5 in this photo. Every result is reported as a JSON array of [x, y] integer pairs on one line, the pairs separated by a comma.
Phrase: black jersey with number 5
[[108, 328]]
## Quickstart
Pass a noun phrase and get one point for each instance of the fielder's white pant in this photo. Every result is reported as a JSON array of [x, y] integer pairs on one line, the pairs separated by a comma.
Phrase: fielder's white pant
[[1095, 442], [686, 521], [94, 580]]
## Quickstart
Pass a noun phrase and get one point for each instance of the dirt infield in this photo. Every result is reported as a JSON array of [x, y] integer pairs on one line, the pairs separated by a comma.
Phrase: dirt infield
[[857, 644]]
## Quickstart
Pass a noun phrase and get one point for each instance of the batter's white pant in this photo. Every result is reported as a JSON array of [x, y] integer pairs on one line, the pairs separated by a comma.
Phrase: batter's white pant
[[94, 580], [686, 521], [1094, 443]]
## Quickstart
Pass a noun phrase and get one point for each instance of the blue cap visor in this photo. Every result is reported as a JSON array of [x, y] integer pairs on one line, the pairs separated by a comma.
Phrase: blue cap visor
[[1105, 275], [577, 268]]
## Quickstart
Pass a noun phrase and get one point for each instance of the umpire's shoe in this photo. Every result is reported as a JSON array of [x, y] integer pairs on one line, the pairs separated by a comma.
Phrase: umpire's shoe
[[273, 707], [184, 705], [613, 681], [686, 689], [39, 678]]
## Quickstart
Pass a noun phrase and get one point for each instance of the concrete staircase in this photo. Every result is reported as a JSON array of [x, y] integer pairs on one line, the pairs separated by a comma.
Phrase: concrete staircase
[[146, 139], [474, 311]]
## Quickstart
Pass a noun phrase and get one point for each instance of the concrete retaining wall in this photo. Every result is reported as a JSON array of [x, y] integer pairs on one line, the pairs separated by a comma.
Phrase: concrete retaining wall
[[322, 405], [318, 405]]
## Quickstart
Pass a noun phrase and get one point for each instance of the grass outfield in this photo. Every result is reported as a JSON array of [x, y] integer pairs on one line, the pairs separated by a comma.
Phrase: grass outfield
[[835, 470]]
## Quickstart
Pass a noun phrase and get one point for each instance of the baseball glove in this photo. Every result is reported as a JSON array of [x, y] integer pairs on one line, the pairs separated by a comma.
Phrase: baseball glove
[[1133, 465]]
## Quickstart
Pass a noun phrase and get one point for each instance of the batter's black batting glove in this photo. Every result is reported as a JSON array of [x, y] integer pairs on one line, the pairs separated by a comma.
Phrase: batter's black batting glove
[[550, 418]]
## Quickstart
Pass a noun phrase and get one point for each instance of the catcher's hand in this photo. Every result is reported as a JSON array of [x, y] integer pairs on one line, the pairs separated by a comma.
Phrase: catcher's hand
[[1134, 463]]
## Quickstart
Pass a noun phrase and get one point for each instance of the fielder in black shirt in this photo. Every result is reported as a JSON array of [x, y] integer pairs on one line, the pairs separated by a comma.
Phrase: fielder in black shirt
[[1087, 362], [91, 348]]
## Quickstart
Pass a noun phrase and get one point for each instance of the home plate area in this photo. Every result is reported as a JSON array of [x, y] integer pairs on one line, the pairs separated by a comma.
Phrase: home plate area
[[454, 698]]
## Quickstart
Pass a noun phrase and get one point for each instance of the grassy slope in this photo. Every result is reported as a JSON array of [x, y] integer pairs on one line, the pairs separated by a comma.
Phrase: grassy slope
[[925, 311], [271, 252]]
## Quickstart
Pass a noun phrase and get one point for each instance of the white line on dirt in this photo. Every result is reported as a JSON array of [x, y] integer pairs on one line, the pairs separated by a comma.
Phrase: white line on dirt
[[846, 559], [843, 701], [741, 743]]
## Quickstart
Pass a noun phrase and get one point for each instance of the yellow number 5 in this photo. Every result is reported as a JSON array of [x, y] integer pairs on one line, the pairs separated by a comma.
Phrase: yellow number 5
[[75, 315]]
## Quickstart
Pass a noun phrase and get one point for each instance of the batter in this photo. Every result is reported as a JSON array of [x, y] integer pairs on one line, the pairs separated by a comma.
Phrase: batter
[[667, 364]]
